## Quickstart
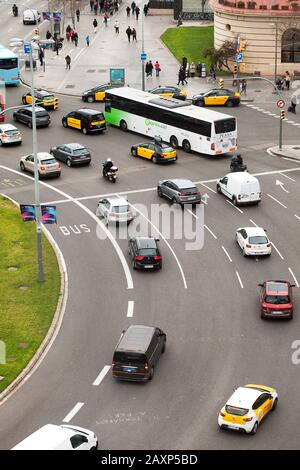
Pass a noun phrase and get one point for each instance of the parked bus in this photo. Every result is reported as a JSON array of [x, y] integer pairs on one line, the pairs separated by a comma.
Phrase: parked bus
[[9, 67], [177, 122]]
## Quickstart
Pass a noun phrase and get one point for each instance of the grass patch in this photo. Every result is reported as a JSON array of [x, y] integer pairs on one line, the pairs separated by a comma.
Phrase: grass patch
[[25, 315], [189, 42]]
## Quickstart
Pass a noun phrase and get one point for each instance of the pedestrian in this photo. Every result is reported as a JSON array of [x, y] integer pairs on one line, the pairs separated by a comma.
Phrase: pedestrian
[[95, 24], [292, 108], [199, 69], [75, 36], [184, 62], [78, 14], [287, 80], [137, 12], [181, 76], [116, 5], [212, 72], [68, 29], [48, 35], [117, 27], [72, 32], [92, 5], [96, 8], [133, 32], [147, 69], [146, 8], [87, 40], [56, 46], [105, 19], [68, 62], [150, 68], [244, 87], [41, 56], [157, 68], [234, 81], [192, 69], [133, 5], [128, 10], [128, 32]]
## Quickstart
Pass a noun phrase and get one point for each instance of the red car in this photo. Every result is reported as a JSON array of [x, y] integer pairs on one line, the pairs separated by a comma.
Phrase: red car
[[276, 299]]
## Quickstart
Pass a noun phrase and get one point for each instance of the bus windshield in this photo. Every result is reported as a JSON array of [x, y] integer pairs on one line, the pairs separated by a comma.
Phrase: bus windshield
[[8, 64]]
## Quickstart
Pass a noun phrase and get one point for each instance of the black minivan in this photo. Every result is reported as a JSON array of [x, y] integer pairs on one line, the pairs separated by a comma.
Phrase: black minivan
[[137, 353]]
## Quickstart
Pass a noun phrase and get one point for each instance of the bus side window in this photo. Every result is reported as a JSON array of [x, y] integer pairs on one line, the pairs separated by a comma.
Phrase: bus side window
[[108, 106]]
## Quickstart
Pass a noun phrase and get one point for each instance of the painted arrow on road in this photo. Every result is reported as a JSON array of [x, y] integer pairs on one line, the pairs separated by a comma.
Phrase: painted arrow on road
[[279, 183], [204, 198]]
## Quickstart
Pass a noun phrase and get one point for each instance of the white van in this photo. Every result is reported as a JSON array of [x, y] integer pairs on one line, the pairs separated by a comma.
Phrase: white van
[[240, 188], [62, 437], [31, 17]]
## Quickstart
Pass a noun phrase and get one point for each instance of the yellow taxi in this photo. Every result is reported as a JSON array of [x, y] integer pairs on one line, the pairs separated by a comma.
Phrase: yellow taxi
[[97, 93], [156, 151], [169, 92], [217, 97], [247, 407], [44, 98], [88, 121]]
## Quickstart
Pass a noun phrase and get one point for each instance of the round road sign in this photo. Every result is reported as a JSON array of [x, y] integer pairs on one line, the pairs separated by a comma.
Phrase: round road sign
[[280, 104]]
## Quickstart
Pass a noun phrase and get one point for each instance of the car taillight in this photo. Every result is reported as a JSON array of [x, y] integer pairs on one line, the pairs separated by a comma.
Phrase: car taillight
[[157, 258], [239, 196], [247, 420], [181, 194], [146, 366], [113, 363], [247, 245], [212, 146], [4, 135], [268, 245], [139, 258], [90, 125], [222, 414]]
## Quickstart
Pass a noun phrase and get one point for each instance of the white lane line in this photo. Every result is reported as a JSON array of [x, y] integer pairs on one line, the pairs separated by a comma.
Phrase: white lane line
[[274, 246], [288, 177], [294, 277], [207, 187], [272, 197], [252, 222], [115, 244], [101, 376], [237, 208], [226, 253], [165, 240], [73, 412], [297, 216], [239, 278], [130, 308], [211, 232]]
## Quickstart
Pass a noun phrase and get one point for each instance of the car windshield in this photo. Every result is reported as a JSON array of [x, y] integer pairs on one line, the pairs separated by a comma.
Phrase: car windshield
[[81, 151], [277, 299], [188, 190], [49, 161], [120, 209], [261, 240], [147, 252], [98, 117], [41, 114], [233, 410], [129, 358]]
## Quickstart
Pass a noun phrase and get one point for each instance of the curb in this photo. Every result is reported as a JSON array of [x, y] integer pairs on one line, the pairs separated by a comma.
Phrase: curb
[[271, 151], [55, 325]]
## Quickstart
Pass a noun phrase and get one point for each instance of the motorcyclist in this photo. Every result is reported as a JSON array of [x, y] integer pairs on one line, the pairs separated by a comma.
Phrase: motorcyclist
[[15, 10], [107, 165], [237, 161]]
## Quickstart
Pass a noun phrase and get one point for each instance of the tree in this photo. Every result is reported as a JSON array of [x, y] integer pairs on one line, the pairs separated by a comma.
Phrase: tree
[[220, 57]]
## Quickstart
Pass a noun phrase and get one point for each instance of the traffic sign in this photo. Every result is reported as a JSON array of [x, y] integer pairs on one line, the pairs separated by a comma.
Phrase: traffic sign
[[143, 56], [280, 104], [26, 48], [239, 57]]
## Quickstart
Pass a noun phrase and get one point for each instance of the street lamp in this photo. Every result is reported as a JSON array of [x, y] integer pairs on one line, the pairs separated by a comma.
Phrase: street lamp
[[28, 48], [143, 52]]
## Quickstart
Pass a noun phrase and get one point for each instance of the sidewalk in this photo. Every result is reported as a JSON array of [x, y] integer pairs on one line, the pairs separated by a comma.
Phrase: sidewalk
[[288, 151]]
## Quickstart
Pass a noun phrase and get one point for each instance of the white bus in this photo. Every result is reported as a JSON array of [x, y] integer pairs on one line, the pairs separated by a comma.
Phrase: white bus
[[177, 122]]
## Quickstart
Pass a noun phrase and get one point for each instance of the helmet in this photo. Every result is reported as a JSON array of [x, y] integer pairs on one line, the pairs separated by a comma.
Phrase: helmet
[[108, 159]]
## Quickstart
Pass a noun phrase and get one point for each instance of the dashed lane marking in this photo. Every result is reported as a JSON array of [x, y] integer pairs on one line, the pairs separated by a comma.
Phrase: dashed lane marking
[[73, 412], [275, 247], [288, 177], [211, 232], [226, 253], [294, 277], [276, 200], [237, 208], [101, 376], [239, 279], [297, 216], [130, 308]]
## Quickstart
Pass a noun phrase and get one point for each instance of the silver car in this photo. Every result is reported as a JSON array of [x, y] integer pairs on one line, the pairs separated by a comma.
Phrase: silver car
[[179, 191], [47, 164], [9, 134], [114, 209]]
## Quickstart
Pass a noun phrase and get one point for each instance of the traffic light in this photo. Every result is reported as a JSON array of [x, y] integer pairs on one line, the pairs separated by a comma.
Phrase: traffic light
[[242, 45], [243, 67], [37, 32], [221, 83], [282, 114], [235, 68]]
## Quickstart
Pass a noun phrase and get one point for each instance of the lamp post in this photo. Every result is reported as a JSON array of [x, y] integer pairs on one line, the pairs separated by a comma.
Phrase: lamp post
[[143, 52], [28, 48]]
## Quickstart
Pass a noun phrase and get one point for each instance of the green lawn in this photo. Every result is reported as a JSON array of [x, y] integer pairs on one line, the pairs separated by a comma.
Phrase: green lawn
[[189, 41], [25, 315]]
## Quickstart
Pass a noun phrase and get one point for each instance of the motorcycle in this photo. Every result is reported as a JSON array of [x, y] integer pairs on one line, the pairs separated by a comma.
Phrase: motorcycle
[[237, 166], [112, 174], [15, 10]]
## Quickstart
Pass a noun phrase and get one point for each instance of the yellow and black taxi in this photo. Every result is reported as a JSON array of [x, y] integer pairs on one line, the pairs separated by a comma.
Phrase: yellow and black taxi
[[247, 407], [169, 92], [217, 97], [97, 93], [44, 98], [156, 151], [88, 121]]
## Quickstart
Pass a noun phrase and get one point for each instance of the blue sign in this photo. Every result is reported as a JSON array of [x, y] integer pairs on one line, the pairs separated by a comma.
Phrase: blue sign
[[46, 15], [49, 215], [56, 16], [143, 56], [239, 57], [26, 47], [27, 212], [117, 77]]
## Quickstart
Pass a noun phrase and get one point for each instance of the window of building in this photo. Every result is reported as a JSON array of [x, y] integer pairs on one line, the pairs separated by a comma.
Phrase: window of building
[[290, 45]]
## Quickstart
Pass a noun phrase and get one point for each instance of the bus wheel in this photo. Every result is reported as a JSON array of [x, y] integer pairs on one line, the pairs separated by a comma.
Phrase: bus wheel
[[186, 146], [123, 125], [174, 142]]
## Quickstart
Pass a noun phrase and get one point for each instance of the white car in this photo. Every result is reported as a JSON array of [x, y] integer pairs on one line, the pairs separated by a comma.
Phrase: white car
[[9, 134], [47, 164], [253, 241], [114, 209], [31, 16], [247, 407]]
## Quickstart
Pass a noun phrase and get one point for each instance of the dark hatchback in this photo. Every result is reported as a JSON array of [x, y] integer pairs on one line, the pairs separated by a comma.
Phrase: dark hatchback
[[24, 115], [144, 253], [71, 154], [179, 191], [276, 300]]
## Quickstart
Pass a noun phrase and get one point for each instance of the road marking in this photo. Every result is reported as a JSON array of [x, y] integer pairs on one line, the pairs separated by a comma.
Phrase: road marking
[[240, 281], [297, 216], [101, 375], [288, 177], [207, 187], [226, 253], [279, 183], [252, 222], [130, 308], [274, 246], [115, 244], [237, 208], [211, 232], [277, 201], [73, 412], [294, 277]]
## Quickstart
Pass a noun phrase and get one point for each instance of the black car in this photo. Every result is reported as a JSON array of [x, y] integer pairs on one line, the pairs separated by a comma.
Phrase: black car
[[156, 151], [145, 253], [217, 97], [97, 93], [45, 99], [24, 115], [88, 121], [71, 154]]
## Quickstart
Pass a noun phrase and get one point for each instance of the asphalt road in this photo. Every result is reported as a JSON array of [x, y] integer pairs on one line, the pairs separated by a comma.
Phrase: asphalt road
[[216, 340]]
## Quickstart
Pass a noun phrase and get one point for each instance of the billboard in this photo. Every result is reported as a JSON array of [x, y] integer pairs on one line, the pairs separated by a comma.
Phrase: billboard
[[49, 215], [117, 77], [27, 212]]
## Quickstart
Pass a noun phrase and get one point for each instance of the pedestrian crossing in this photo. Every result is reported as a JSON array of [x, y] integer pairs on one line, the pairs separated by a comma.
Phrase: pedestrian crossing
[[269, 113]]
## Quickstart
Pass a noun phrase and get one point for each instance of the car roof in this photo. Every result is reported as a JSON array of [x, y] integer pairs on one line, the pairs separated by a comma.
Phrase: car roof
[[242, 176], [7, 127], [44, 92], [73, 145], [88, 111], [146, 242], [117, 201], [277, 287], [182, 183], [45, 156], [136, 338], [37, 109], [244, 397], [254, 231], [47, 437]]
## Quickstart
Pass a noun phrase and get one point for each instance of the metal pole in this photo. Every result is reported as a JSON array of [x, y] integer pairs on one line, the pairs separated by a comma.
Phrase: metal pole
[[276, 40], [280, 133], [143, 51], [36, 177]]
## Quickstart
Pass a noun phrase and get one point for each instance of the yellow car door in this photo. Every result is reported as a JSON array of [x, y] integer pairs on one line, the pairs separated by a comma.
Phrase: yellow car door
[[73, 122], [100, 95], [145, 152], [264, 406], [28, 99], [210, 99]]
